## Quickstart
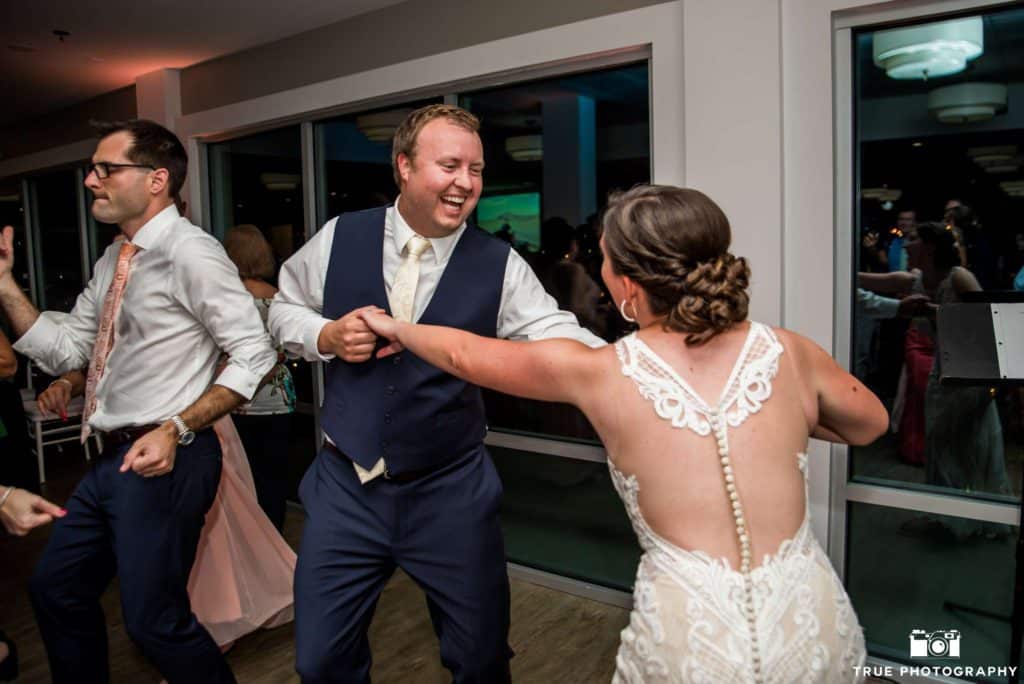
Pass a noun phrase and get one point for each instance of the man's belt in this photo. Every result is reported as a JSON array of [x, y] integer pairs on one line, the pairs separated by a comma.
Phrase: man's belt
[[400, 478], [132, 433]]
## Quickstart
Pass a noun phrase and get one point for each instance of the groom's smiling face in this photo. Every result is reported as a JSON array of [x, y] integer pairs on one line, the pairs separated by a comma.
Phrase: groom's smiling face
[[442, 181]]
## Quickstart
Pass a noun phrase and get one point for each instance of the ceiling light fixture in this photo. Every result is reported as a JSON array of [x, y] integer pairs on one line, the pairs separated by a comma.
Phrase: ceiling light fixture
[[280, 181], [882, 194], [525, 148], [380, 127], [967, 102], [929, 50], [1013, 188]]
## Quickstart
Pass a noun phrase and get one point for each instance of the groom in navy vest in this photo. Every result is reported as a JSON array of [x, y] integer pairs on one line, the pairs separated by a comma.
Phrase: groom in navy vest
[[404, 479]]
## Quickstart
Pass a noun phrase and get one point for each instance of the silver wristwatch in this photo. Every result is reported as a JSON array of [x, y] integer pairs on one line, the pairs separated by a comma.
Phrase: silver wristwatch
[[185, 433]]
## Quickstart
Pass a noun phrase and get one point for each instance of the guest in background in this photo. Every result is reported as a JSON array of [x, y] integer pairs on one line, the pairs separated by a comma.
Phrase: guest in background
[[264, 423], [16, 465], [20, 512]]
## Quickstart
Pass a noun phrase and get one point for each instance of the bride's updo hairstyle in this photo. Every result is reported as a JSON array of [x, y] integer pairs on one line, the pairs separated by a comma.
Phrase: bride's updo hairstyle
[[674, 243]]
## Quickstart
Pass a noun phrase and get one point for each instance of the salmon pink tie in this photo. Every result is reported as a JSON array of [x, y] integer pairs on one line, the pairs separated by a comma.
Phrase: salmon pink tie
[[105, 335]]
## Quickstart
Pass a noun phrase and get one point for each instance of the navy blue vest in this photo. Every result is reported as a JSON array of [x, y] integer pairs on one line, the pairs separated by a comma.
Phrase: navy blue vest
[[400, 407]]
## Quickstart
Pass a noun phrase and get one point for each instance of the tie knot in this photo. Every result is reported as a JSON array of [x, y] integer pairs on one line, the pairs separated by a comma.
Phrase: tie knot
[[128, 250], [417, 246]]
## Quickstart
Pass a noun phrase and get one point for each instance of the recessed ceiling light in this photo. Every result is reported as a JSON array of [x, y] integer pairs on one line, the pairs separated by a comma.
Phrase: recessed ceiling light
[[917, 143]]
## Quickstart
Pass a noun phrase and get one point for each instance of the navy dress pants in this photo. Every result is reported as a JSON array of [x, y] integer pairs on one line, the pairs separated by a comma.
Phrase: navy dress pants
[[442, 529], [145, 530]]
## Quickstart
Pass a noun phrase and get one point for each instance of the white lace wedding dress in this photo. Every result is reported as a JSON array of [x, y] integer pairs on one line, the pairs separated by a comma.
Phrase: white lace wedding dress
[[695, 619]]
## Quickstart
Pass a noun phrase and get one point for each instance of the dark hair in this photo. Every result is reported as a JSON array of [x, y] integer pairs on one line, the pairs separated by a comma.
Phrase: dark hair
[[674, 243], [939, 236], [963, 217], [407, 131], [250, 252], [152, 144]]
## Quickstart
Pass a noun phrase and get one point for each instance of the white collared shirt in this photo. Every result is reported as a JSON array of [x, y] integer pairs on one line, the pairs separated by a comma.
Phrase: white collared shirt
[[526, 311], [183, 304]]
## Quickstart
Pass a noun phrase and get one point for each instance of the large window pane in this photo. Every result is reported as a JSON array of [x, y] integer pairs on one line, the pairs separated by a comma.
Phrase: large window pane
[[257, 180], [12, 213], [100, 234], [354, 159], [908, 571], [940, 149], [54, 199], [563, 516], [554, 149]]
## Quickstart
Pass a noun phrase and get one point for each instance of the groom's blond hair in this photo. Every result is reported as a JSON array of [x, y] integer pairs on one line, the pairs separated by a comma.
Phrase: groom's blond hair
[[409, 130]]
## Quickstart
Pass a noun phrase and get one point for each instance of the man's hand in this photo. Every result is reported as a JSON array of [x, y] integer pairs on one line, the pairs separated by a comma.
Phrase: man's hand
[[349, 338], [386, 327], [55, 398], [6, 251], [153, 453], [24, 511]]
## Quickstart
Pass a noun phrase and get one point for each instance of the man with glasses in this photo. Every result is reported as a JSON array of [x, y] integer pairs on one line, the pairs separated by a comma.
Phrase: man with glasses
[[150, 326]]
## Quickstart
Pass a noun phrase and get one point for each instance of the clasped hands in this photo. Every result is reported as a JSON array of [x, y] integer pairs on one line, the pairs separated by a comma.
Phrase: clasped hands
[[353, 337]]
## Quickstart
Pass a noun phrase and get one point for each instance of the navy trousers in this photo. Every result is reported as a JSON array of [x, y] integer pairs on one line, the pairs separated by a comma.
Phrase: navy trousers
[[441, 529], [146, 531]]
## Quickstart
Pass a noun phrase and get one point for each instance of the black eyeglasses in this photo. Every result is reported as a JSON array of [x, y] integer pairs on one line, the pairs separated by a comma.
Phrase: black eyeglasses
[[103, 169]]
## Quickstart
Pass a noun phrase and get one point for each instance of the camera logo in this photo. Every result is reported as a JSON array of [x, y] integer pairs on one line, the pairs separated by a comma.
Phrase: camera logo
[[938, 644]]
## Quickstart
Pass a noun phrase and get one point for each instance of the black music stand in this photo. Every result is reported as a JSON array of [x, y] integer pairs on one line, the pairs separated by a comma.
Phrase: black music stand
[[982, 343]]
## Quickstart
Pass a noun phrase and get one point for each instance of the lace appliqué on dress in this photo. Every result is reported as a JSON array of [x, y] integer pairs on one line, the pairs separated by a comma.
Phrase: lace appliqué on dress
[[749, 385]]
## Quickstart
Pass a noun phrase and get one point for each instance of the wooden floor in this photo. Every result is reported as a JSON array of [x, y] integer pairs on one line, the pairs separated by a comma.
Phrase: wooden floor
[[556, 637]]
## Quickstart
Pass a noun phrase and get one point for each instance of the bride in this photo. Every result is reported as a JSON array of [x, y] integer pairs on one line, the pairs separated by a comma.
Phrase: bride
[[705, 416]]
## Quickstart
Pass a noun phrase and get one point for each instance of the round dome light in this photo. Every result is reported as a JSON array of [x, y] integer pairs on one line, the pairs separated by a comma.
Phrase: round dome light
[[930, 50], [967, 102]]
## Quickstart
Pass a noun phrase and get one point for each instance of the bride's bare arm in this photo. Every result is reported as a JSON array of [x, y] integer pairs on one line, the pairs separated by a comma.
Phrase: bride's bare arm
[[848, 412], [549, 370]]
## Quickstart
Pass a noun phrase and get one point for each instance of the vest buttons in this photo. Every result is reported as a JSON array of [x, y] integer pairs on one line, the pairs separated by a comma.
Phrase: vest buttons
[[390, 389], [396, 359], [387, 418]]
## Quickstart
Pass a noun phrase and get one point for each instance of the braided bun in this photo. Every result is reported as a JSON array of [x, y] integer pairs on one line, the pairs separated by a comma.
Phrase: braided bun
[[714, 298], [673, 242]]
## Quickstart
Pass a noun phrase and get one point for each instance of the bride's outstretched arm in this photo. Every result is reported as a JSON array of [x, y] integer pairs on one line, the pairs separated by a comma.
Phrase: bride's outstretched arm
[[549, 370]]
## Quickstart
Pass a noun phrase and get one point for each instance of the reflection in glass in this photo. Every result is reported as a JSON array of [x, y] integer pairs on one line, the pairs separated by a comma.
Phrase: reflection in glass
[[101, 235], [257, 180], [354, 159], [563, 516], [554, 150], [58, 253], [12, 213], [939, 221], [910, 571]]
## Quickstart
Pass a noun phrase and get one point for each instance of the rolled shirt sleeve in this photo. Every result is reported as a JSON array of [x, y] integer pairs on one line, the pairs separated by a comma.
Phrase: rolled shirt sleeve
[[295, 318], [62, 342], [209, 287]]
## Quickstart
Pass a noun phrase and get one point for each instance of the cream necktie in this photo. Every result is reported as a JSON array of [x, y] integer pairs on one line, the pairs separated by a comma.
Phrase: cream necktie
[[403, 290], [403, 302]]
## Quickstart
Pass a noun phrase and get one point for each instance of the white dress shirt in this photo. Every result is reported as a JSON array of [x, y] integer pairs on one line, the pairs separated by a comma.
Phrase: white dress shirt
[[183, 304], [526, 311]]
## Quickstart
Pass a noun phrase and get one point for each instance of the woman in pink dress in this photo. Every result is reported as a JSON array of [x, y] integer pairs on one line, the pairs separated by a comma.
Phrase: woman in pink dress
[[242, 576]]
